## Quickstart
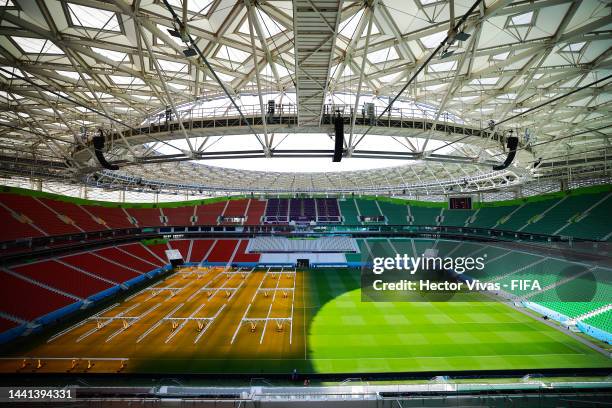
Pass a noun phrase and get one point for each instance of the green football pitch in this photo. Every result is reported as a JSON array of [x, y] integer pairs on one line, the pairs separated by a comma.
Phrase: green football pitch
[[345, 335]]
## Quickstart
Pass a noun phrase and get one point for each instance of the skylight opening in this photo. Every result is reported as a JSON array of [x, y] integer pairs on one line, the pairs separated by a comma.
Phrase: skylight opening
[[72, 74], [433, 40], [90, 17], [126, 80], [36, 45], [429, 3], [172, 66], [575, 47], [347, 27], [443, 66], [501, 57], [111, 55], [521, 19], [269, 27], [232, 54], [484, 81], [193, 6], [386, 54]]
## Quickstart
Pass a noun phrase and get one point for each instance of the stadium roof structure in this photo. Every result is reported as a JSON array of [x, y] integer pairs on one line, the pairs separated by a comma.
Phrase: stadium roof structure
[[179, 120]]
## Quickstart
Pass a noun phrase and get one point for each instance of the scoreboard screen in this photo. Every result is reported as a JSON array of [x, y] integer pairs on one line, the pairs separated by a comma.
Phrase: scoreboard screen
[[460, 203]]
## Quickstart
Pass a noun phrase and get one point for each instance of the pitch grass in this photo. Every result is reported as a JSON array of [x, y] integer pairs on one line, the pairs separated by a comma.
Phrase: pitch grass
[[347, 336]]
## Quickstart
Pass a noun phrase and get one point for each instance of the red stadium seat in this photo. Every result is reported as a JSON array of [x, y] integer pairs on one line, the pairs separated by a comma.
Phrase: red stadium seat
[[62, 277], [14, 292]]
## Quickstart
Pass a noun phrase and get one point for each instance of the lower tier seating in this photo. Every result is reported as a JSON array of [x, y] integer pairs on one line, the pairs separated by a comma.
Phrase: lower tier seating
[[63, 277], [200, 249], [601, 321], [26, 300], [223, 250], [98, 266]]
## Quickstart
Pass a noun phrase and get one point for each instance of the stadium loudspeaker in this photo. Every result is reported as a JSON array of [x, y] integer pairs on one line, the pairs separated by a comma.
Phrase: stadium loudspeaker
[[98, 142], [338, 147], [512, 145]]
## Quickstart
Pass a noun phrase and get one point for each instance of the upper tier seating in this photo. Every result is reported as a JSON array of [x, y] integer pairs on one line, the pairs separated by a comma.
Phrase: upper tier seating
[[208, 214], [456, 218], [113, 217], [41, 216], [146, 217], [277, 211], [236, 209], [396, 214], [179, 216], [487, 217], [255, 211], [327, 210], [368, 208], [16, 292], [14, 228], [523, 215], [76, 213], [302, 210], [63, 277], [589, 224], [424, 215], [348, 209]]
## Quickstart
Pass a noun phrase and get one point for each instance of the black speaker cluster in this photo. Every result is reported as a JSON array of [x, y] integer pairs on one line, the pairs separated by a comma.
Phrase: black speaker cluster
[[98, 143], [339, 141], [512, 144]]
